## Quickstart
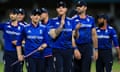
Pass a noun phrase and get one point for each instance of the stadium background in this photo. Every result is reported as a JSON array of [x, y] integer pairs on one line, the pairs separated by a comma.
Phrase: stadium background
[[110, 7]]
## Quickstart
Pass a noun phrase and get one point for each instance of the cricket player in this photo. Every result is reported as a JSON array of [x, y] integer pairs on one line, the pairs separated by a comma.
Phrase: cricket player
[[11, 32], [106, 38], [87, 40], [48, 51], [61, 33], [21, 16], [34, 36]]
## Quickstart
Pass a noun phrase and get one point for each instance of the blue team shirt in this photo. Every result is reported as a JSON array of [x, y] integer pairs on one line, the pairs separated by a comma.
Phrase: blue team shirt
[[10, 33], [85, 31], [106, 38], [48, 50], [34, 37], [64, 40]]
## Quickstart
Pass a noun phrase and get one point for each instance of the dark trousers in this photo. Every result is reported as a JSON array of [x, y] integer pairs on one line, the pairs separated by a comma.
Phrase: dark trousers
[[84, 64], [35, 64], [9, 58], [63, 60], [105, 61], [49, 64]]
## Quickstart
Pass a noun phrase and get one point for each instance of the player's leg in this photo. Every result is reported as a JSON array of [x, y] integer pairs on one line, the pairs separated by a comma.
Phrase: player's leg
[[49, 64], [18, 67], [67, 60], [39, 65], [7, 62], [9, 58], [31, 65], [58, 59], [99, 63], [108, 60], [78, 63], [86, 58]]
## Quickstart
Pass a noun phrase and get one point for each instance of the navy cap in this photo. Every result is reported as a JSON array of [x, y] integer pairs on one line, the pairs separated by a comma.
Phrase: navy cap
[[21, 11], [36, 11], [61, 3], [81, 3], [103, 16], [44, 10], [13, 11]]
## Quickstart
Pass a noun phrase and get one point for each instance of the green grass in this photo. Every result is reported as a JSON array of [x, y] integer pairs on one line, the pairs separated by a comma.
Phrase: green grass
[[116, 67]]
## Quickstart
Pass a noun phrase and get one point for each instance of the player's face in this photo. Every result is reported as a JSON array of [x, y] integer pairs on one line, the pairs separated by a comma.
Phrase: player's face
[[13, 16], [35, 18], [100, 20], [20, 17], [61, 10], [43, 16], [81, 9]]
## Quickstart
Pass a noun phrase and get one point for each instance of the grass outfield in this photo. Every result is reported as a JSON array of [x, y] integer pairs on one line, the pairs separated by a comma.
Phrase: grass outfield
[[116, 67]]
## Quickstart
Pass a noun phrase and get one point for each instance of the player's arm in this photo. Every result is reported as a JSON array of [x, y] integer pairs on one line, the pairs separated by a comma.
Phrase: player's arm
[[95, 43], [19, 47], [76, 31], [55, 32], [115, 41], [77, 53]]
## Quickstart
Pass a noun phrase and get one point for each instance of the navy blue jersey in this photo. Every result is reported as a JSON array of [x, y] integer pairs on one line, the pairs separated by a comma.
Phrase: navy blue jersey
[[64, 40], [85, 31], [106, 38], [34, 37], [10, 33], [48, 50]]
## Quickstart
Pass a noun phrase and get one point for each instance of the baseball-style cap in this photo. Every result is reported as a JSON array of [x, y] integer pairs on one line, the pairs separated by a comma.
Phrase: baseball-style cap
[[43, 10], [21, 11], [61, 3], [81, 3], [36, 11], [103, 16], [13, 11]]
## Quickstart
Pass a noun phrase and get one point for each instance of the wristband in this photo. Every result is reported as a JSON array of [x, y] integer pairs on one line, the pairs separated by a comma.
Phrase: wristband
[[96, 49], [75, 48]]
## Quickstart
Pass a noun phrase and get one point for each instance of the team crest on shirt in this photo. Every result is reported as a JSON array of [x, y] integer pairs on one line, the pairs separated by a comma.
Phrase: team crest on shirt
[[41, 31], [29, 31], [68, 23], [98, 30], [19, 28], [9, 26], [88, 19], [106, 31], [77, 20], [57, 23]]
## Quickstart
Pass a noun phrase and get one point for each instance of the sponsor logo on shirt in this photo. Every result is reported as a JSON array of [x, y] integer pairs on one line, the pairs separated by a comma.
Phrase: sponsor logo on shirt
[[67, 30], [34, 37], [103, 36], [12, 32]]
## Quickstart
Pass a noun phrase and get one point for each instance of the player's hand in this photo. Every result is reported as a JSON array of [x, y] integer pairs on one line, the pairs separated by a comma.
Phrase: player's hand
[[42, 47], [20, 57], [62, 19], [77, 54], [95, 55], [78, 26], [14, 42]]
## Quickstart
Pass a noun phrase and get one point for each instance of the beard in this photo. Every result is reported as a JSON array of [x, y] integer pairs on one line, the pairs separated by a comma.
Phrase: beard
[[80, 12], [100, 25]]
